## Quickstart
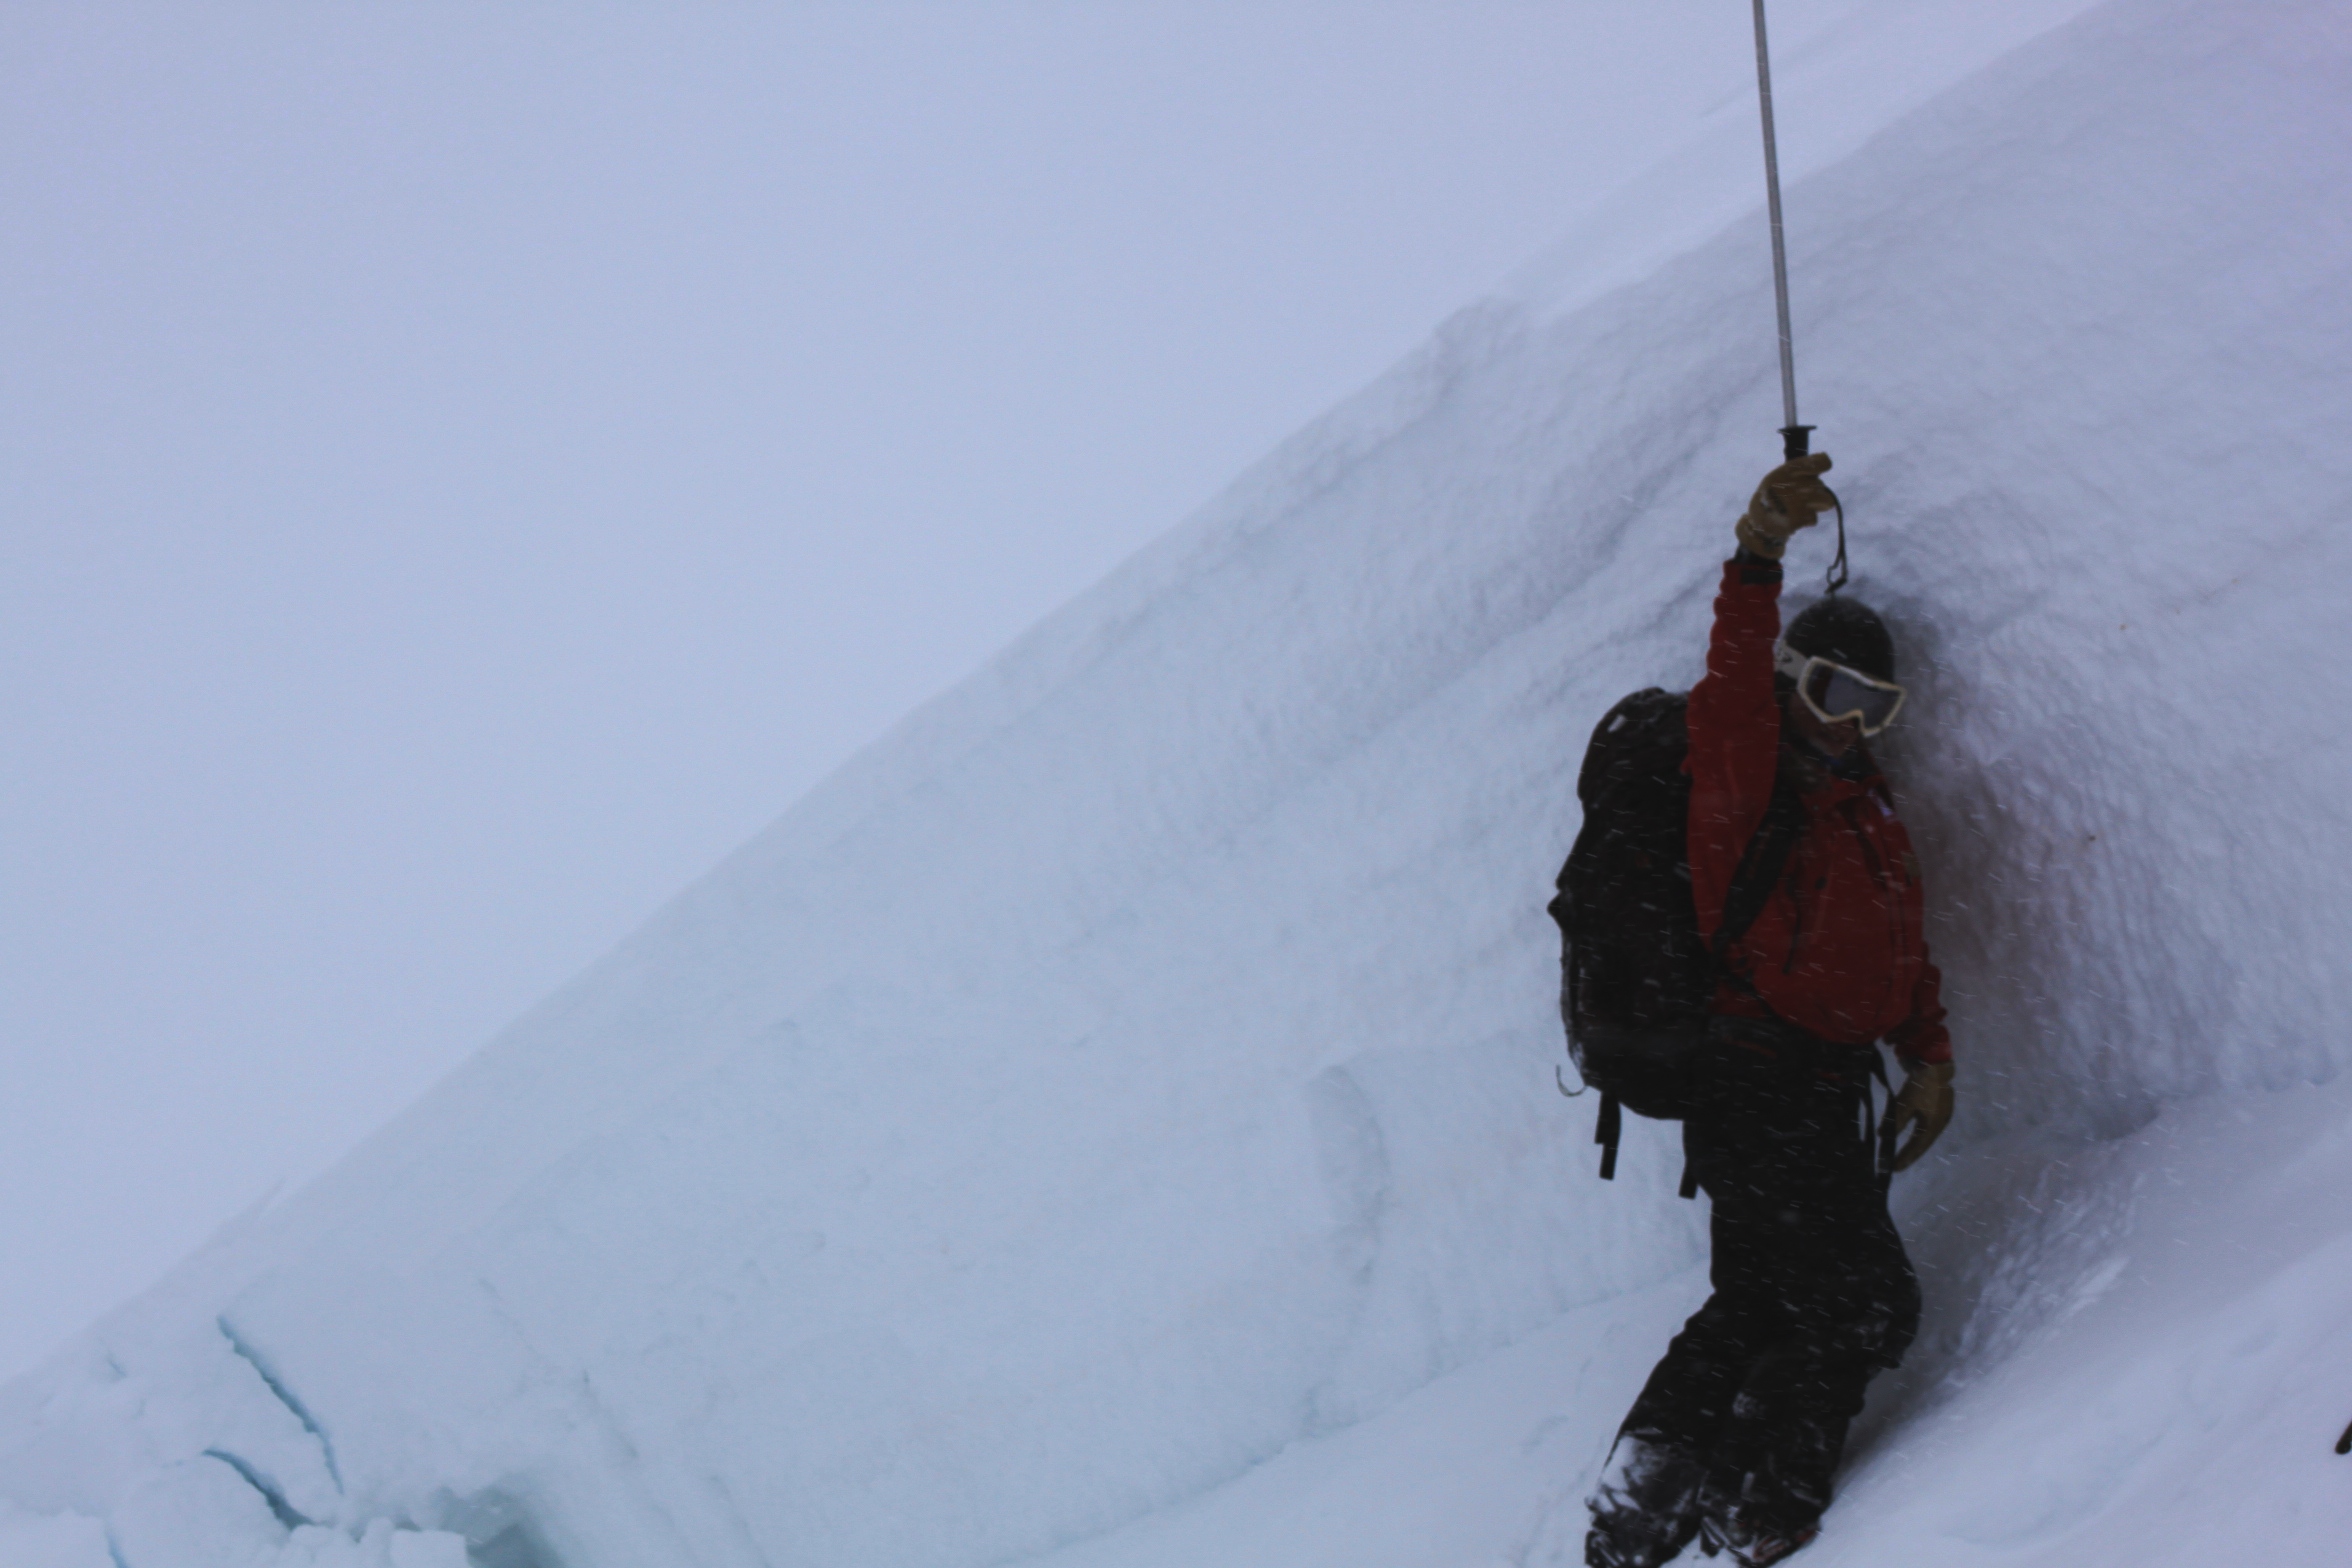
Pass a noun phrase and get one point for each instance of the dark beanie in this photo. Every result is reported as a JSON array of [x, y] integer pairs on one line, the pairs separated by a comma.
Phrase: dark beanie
[[1844, 632]]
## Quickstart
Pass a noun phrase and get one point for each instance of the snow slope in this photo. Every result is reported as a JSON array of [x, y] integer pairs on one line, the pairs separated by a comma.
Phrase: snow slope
[[1113, 1116], [2144, 1366]]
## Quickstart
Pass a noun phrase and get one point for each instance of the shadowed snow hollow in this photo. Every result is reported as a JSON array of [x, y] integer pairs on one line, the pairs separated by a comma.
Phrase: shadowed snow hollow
[[1140, 1062]]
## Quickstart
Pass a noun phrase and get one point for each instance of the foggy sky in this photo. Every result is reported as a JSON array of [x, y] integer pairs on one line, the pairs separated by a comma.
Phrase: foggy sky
[[467, 468]]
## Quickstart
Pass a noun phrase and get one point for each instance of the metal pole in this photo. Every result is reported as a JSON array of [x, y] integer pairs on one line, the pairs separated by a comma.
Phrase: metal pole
[[1793, 436]]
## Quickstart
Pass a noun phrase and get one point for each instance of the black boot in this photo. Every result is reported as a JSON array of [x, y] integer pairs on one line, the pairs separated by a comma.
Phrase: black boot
[[1754, 1526], [1645, 1509]]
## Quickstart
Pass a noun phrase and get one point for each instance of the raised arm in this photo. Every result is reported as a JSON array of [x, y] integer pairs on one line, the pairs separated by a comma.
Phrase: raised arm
[[1734, 718]]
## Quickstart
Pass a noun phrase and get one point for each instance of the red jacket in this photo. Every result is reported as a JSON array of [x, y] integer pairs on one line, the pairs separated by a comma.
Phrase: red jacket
[[1839, 948]]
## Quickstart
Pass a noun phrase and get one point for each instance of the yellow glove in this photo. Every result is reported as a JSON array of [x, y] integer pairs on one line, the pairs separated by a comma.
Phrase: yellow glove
[[1924, 1104], [1791, 497]]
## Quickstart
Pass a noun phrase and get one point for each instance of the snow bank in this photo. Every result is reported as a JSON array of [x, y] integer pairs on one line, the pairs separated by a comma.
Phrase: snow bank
[[1140, 1062], [2132, 1356]]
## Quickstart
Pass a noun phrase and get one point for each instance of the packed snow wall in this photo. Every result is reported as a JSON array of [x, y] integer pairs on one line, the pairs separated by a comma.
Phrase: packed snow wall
[[1142, 1058]]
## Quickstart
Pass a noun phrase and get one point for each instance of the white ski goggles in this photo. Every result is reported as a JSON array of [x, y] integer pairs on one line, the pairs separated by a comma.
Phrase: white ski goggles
[[1836, 693]]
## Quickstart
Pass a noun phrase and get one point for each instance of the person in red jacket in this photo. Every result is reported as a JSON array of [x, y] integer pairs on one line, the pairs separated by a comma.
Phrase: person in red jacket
[[1737, 1434]]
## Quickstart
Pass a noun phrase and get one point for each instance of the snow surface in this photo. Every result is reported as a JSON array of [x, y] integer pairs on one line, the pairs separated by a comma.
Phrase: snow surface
[[1111, 1121]]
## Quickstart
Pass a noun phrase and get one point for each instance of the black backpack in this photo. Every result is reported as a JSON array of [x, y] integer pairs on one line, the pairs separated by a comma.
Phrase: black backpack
[[1635, 976]]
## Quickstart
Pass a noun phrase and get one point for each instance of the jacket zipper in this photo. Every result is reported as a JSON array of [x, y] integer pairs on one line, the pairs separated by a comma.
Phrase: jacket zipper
[[1796, 893], [1879, 874]]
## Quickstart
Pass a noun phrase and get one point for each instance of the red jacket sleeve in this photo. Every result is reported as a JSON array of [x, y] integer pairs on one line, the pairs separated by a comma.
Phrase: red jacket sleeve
[[1734, 731]]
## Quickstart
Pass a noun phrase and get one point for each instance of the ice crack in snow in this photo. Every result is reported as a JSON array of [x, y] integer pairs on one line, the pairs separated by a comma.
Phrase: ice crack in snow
[[284, 1395]]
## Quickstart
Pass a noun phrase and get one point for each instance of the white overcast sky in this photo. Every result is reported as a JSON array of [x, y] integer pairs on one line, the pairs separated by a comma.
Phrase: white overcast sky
[[464, 468]]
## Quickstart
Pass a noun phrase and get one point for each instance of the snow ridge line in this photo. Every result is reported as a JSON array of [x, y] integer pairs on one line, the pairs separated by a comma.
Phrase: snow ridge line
[[284, 1395]]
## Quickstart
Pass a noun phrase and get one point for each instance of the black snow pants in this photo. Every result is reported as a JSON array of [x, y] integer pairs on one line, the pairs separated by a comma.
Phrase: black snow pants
[[1813, 1293]]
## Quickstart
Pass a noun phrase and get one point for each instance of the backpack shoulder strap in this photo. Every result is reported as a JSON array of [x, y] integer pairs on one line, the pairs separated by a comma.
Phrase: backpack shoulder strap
[[1606, 1133], [1761, 865]]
